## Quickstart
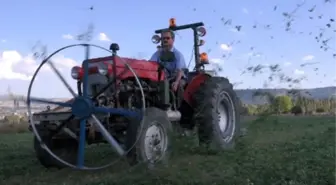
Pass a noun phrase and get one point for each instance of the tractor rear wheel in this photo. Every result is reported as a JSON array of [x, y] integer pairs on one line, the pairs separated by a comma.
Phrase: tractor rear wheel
[[150, 141], [216, 113], [66, 149]]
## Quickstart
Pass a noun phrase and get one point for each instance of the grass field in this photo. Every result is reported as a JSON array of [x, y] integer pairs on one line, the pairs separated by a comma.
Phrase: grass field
[[278, 151]]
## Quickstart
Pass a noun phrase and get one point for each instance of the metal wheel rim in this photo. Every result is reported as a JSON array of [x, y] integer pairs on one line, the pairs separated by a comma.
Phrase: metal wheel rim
[[227, 117], [38, 137], [223, 117], [150, 146]]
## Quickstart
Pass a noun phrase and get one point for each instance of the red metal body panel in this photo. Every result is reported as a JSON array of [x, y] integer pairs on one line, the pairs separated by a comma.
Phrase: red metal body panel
[[142, 68], [193, 87], [145, 69]]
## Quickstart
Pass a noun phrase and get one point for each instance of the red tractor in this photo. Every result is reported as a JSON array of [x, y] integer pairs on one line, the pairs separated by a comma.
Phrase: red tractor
[[129, 104]]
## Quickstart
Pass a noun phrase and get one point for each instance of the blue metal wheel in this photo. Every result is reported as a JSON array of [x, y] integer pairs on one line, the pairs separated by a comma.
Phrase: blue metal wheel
[[83, 108]]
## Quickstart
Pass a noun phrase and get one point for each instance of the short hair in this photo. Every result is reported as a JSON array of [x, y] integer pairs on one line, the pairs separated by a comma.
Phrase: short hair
[[171, 33]]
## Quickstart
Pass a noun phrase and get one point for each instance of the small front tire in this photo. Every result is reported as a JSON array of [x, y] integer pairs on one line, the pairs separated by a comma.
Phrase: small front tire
[[150, 140], [65, 149]]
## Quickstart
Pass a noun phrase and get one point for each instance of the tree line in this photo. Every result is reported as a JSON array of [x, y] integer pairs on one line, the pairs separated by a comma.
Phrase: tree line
[[286, 104]]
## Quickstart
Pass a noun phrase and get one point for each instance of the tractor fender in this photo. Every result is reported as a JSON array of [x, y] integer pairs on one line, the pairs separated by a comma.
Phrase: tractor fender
[[193, 86]]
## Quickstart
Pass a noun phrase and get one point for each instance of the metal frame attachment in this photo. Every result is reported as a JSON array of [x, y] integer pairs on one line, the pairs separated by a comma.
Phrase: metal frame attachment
[[83, 108]]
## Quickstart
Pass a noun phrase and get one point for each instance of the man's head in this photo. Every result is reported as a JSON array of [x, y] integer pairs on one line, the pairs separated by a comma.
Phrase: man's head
[[168, 38]]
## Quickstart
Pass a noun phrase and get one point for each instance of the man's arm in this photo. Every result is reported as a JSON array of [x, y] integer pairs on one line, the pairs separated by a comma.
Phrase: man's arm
[[180, 65]]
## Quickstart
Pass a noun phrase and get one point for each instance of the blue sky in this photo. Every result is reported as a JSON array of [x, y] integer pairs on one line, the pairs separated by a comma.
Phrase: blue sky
[[131, 24]]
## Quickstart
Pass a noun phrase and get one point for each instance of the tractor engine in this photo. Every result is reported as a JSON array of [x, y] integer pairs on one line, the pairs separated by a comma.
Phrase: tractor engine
[[128, 95]]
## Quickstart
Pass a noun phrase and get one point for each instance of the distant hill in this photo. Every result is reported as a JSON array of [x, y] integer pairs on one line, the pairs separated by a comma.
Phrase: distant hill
[[246, 95], [5, 97]]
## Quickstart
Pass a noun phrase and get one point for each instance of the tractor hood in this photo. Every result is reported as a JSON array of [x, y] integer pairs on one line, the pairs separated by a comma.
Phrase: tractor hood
[[142, 68]]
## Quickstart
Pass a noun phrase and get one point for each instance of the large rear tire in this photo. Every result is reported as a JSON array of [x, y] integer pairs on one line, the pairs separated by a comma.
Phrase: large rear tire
[[217, 113]]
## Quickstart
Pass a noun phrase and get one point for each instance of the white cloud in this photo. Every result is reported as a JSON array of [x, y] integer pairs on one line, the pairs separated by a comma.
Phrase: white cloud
[[103, 37], [245, 11], [226, 47], [287, 63], [216, 60], [68, 36], [308, 57], [3, 40], [216, 64], [254, 54], [234, 30], [7, 60], [15, 66], [63, 62], [298, 72]]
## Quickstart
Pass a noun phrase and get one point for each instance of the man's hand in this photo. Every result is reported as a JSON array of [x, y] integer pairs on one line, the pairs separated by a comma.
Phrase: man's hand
[[177, 79], [175, 85]]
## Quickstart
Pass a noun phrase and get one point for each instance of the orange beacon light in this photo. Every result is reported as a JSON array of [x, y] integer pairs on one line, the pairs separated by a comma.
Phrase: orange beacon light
[[204, 58], [172, 22]]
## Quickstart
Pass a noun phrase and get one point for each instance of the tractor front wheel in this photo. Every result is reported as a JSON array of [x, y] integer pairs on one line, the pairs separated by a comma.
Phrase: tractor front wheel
[[66, 149], [150, 141], [216, 113]]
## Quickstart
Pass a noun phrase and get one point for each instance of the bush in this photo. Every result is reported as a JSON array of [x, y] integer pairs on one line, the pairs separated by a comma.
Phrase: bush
[[251, 110], [282, 104], [244, 111], [12, 119], [7, 127], [296, 110], [14, 124], [320, 110]]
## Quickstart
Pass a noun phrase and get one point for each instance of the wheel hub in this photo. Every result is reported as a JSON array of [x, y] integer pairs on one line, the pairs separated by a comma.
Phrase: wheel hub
[[82, 107], [226, 118], [155, 143], [223, 118]]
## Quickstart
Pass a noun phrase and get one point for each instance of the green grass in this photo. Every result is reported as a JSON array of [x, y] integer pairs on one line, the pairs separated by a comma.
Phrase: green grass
[[282, 151]]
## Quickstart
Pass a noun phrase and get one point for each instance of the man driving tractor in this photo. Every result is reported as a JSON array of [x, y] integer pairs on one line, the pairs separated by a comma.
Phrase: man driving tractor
[[175, 68]]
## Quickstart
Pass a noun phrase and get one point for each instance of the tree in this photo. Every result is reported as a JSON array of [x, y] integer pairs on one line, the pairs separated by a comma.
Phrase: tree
[[282, 104], [252, 110], [268, 108], [296, 110], [320, 110]]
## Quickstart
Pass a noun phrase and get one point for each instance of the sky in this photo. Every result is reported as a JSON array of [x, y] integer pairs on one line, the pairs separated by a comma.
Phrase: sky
[[131, 24]]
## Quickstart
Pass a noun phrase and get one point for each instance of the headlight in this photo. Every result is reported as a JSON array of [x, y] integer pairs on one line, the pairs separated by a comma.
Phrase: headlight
[[201, 31], [76, 72], [156, 39]]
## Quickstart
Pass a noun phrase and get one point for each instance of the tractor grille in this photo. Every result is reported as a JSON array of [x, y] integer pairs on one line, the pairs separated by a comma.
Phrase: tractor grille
[[95, 83]]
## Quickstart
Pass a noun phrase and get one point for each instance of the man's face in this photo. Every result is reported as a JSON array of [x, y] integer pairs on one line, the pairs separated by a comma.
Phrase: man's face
[[167, 40]]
